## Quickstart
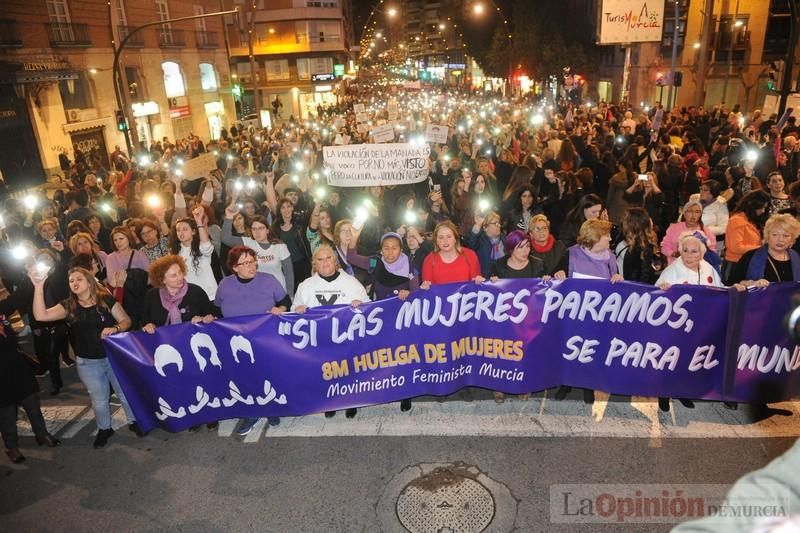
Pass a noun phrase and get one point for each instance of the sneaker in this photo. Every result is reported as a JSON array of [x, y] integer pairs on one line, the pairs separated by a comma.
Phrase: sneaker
[[274, 420], [330, 414], [350, 413], [102, 437], [405, 405], [246, 426], [134, 427], [212, 426]]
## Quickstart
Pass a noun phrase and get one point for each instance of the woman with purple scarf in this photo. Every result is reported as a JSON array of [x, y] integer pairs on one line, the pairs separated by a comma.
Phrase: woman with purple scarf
[[173, 300]]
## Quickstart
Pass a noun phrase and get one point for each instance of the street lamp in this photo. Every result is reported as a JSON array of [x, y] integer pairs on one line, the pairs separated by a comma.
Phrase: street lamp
[[392, 12], [478, 9]]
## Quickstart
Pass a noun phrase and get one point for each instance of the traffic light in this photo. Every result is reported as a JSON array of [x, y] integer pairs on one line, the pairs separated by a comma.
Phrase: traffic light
[[677, 78], [122, 123]]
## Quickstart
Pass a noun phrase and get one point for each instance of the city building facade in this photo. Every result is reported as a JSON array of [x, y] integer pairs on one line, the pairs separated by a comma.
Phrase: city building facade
[[301, 54], [743, 39], [56, 79]]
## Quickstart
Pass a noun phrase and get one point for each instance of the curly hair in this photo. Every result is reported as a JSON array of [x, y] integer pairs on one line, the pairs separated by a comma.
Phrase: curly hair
[[591, 231], [158, 268]]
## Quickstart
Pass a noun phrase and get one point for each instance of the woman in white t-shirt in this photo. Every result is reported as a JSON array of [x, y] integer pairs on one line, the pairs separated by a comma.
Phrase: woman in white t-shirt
[[190, 240], [273, 256], [328, 285]]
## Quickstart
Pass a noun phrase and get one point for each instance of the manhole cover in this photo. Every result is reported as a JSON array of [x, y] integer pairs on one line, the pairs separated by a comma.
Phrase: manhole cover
[[444, 501]]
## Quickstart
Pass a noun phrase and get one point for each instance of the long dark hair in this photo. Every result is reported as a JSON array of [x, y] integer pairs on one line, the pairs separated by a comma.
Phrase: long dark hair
[[752, 202], [587, 201], [277, 220], [175, 244]]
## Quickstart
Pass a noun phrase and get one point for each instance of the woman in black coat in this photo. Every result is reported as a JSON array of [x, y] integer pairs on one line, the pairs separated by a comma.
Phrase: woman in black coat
[[18, 386]]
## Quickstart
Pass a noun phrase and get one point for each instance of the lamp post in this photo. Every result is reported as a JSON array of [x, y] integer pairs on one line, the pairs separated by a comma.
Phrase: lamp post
[[118, 90]]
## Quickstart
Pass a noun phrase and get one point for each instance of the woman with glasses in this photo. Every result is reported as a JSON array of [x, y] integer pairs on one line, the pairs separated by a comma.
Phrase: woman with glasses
[[250, 292], [546, 247], [486, 239], [155, 244], [273, 256]]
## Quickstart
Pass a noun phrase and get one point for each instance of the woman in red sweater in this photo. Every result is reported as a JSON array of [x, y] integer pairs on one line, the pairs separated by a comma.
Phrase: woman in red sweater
[[449, 262]]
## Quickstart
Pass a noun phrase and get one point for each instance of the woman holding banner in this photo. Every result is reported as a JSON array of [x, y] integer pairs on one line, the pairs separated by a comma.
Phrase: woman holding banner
[[93, 315], [449, 262], [591, 258], [518, 263], [250, 292], [390, 274], [546, 247], [174, 300], [773, 262], [688, 269], [329, 285]]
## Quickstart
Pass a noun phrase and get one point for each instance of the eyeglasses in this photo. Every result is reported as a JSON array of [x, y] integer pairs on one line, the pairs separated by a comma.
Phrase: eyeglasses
[[493, 223], [246, 263]]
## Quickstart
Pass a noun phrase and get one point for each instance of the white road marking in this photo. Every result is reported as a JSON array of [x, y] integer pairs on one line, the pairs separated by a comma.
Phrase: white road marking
[[79, 424], [537, 417], [255, 433]]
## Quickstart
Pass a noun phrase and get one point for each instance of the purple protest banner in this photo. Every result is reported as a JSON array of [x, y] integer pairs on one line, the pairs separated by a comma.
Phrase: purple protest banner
[[514, 336]]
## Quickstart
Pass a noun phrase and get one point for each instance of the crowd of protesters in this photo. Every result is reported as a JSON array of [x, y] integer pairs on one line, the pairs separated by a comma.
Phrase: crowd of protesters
[[521, 189]]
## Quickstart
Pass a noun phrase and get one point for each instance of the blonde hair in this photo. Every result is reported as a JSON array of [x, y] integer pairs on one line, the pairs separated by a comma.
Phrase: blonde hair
[[324, 247], [591, 231], [786, 222], [445, 225], [538, 218]]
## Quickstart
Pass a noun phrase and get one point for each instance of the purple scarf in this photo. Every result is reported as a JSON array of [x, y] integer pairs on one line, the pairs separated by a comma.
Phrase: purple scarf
[[170, 303], [399, 267]]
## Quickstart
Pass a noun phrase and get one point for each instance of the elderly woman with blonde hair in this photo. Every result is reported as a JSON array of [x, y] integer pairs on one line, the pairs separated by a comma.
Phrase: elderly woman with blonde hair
[[689, 268], [775, 261], [329, 285], [591, 257]]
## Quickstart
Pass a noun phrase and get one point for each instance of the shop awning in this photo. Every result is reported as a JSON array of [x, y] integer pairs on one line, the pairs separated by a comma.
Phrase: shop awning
[[86, 125]]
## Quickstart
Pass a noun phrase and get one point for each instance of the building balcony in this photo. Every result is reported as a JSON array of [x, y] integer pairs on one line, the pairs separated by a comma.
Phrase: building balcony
[[300, 13], [169, 38], [66, 34], [206, 39], [291, 44], [9, 38], [137, 41]]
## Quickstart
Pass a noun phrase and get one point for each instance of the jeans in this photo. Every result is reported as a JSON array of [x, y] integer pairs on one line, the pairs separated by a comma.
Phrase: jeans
[[8, 420], [96, 375]]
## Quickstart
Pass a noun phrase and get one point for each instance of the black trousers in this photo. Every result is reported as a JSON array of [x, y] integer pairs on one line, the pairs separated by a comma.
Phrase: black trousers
[[49, 344], [8, 420]]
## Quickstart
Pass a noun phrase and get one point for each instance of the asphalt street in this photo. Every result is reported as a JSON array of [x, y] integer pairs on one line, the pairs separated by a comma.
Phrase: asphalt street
[[324, 475]]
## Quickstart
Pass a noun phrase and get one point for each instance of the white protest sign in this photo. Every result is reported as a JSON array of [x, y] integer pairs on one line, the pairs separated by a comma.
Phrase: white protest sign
[[199, 167], [365, 165], [359, 108], [631, 21], [383, 133], [361, 117], [435, 133]]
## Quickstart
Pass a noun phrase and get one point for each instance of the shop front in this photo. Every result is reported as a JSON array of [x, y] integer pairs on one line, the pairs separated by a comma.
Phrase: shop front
[[91, 142], [144, 116], [215, 112]]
